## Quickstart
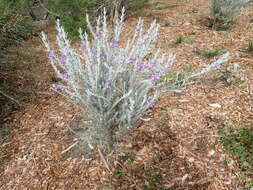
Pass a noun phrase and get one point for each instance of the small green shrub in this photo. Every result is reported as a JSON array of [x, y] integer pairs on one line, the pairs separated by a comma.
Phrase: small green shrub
[[73, 13], [238, 141], [120, 174], [180, 40], [153, 179], [210, 53], [187, 69], [160, 6], [248, 48]]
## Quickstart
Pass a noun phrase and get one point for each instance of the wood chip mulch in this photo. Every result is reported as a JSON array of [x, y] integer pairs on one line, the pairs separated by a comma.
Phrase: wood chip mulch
[[177, 149]]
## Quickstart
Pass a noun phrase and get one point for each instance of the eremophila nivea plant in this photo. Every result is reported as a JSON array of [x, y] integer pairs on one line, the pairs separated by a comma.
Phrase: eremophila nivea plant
[[224, 12], [118, 83]]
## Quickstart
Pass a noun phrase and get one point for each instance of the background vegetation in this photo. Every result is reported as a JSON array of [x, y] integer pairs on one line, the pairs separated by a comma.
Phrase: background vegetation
[[19, 80]]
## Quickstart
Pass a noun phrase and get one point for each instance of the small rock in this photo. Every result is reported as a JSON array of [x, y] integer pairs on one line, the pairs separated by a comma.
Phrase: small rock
[[215, 105], [191, 159], [211, 153]]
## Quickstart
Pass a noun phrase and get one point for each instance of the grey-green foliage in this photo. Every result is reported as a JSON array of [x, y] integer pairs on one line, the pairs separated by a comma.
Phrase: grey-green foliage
[[224, 12], [118, 84]]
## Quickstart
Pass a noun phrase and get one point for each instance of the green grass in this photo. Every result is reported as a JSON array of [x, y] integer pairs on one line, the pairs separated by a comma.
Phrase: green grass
[[120, 174], [173, 78], [181, 39], [238, 141], [137, 3], [5, 130], [153, 179], [237, 81], [248, 49], [6, 144], [107, 187], [210, 53], [161, 6], [187, 69]]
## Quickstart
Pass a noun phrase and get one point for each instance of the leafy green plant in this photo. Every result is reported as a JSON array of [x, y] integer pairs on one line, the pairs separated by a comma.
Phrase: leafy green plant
[[126, 157], [173, 77], [153, 179], [187, 69], [106, 187], [180, 40], [5, 130], [249, 185], [72, 13], [120, 174], [161, 6], [248, 48], [210, 53], [238, 141]]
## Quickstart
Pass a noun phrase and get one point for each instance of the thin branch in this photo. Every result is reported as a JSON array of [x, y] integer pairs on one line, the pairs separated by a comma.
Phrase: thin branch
[[103, 159], [70, 147]]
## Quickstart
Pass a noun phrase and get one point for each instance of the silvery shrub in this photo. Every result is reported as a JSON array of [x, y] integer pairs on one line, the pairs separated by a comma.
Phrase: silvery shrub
[[224, 12], [117, 83]]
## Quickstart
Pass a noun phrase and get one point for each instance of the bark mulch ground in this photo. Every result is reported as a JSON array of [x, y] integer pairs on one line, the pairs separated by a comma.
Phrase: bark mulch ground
[[177, 149]]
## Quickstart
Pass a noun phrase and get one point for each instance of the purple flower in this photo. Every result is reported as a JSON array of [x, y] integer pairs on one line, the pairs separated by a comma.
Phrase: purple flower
[[137, 29], [121, 23], [51, 56], [83, 44], [99, 36], [217, 66], [66, 75], [57, 89], [106, 84], [94, 53], [166, 69], [155, 76], [129, 112], [140, 66], [102, 54], [150, 104], [114, 44], [63, 60], [144, 33]]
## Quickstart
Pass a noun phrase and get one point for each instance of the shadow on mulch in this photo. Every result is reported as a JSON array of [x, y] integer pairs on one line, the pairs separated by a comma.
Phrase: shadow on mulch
[[74, 136], [146, 160], [158, 167]]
